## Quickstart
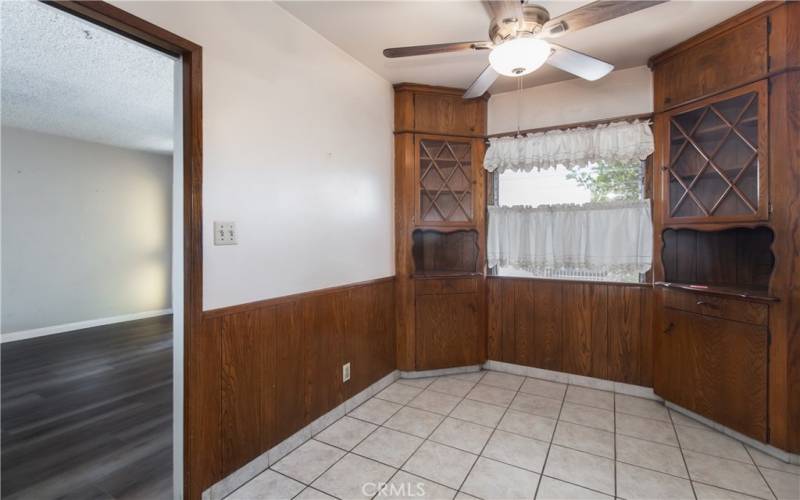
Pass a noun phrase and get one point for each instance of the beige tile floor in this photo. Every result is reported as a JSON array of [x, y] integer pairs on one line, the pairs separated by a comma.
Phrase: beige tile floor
[[492, 435]]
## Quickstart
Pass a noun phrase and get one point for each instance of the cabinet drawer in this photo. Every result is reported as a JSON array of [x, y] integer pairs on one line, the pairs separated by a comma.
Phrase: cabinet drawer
[[718, 307], [440, 286]]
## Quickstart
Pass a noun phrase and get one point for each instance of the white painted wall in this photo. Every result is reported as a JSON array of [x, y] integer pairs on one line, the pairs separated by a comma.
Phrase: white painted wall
[[298, 150], [620, 93], [86, 231]]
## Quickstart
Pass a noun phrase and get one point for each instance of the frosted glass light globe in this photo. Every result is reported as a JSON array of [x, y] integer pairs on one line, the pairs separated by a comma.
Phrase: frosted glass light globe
[[519, 56]]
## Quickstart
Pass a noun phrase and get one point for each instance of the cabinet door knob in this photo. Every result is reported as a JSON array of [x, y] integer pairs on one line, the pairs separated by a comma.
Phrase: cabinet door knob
[[668, 329]]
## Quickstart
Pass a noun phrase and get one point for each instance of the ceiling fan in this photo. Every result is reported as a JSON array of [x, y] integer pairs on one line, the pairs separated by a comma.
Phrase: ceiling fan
[[518, 30]]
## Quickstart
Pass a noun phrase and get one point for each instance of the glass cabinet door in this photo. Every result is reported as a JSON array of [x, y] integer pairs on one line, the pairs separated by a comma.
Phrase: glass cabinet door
[[445, 181], [717, 164]]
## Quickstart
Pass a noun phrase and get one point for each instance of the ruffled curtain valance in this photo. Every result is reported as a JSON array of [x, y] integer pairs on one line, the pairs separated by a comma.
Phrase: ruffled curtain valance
[[619, 141], [614, 237]]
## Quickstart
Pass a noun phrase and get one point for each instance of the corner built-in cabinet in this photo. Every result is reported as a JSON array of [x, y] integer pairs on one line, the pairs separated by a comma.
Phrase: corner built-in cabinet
[[440, 204], [726, 321], [717, 165]]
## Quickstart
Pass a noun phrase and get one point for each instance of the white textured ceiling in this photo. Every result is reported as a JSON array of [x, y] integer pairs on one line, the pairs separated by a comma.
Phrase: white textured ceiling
[[64, 76], [364, 28]]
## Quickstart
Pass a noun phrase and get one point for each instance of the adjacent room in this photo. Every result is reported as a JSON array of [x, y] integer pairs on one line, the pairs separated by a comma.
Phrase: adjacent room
[[497, 249], [87, 250]]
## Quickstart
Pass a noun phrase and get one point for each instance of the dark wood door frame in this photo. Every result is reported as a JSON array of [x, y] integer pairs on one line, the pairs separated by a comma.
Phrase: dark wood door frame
[[128, 25]]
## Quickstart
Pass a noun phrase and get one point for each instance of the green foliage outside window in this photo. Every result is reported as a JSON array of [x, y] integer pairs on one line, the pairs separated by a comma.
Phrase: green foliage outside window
[[610, 181]]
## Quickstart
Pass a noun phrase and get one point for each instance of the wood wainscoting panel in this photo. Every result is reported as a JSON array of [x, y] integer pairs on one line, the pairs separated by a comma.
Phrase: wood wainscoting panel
[[289, 372], [585, 347], [601, 330], [371, 310], [494, 318], [248, 389], [279, 365], [547, 325], [325, 324], [524, 322], [624, 333]]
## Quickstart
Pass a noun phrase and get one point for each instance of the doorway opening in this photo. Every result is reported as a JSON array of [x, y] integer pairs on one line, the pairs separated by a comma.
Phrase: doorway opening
[[96, 238]]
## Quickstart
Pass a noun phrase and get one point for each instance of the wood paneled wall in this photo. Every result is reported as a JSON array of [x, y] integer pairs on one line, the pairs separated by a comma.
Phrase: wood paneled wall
[[275, 366], [597, 330]]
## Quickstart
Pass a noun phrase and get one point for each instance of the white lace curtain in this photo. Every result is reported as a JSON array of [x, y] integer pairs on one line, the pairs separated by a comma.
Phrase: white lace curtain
[[613, 237], [626, 142]]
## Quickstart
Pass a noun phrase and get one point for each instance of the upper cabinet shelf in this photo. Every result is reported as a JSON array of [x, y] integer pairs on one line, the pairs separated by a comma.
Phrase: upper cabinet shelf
[[715, 166]]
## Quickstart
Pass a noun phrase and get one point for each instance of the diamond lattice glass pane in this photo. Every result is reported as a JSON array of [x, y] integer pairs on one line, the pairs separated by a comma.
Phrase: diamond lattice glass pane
[[709, 132], [726, 132], [733, 107], [688, 120], [732, 204], [432, 177], [748, 125], [709, 188], [429, 211], [748, 183], [688, 164], [445, 184], [459, 182], [687, 208], [733, 155]]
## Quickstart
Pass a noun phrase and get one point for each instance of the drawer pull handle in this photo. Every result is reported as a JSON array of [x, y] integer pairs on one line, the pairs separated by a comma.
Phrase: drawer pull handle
[[707, 304], [668, 329]]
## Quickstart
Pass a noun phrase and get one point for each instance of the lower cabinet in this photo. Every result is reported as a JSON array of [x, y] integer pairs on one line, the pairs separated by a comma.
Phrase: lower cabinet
[[714, 367], [449, 325]]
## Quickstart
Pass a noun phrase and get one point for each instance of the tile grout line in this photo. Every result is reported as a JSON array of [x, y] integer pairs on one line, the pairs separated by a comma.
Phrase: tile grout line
[[760, 473], [346, 452], [552, 437], [480, 454], [683, 457], [478, 382], [426, 439]]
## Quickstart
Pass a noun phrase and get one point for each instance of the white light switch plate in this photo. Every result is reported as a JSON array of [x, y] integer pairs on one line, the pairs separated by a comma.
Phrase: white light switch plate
[[225, 233], [345, 372]]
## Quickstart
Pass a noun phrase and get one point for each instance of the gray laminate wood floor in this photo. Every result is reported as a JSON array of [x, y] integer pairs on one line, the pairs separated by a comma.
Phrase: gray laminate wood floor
[[88, 414]]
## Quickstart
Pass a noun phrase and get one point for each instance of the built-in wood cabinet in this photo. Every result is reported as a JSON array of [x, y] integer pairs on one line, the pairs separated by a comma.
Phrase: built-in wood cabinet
[[726, 223], [448, 325], [704, 66], [714, 164], [711, 358], [440, 217]]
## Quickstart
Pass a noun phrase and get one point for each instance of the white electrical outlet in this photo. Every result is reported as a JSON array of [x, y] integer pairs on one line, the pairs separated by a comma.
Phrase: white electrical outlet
[[345, 372], [225, 233]]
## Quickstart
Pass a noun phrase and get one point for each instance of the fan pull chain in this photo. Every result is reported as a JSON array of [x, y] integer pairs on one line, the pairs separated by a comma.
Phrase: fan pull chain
[[519, 102]]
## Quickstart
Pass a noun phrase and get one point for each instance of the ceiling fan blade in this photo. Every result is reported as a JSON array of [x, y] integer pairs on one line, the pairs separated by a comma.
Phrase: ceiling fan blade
[[482, 83], [593, 13], [572, 61], [505, 9], [438, 48]]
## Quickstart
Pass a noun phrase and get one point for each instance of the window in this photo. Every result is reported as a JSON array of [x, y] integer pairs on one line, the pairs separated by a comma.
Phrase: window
[[598, 182]]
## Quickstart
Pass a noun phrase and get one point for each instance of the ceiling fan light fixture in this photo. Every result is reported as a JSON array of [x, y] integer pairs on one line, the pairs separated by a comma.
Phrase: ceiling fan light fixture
[[519, 56]]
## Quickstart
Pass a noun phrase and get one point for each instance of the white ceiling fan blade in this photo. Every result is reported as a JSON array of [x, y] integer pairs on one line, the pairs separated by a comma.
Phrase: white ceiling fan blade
[[572, 61], [482, 83]]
